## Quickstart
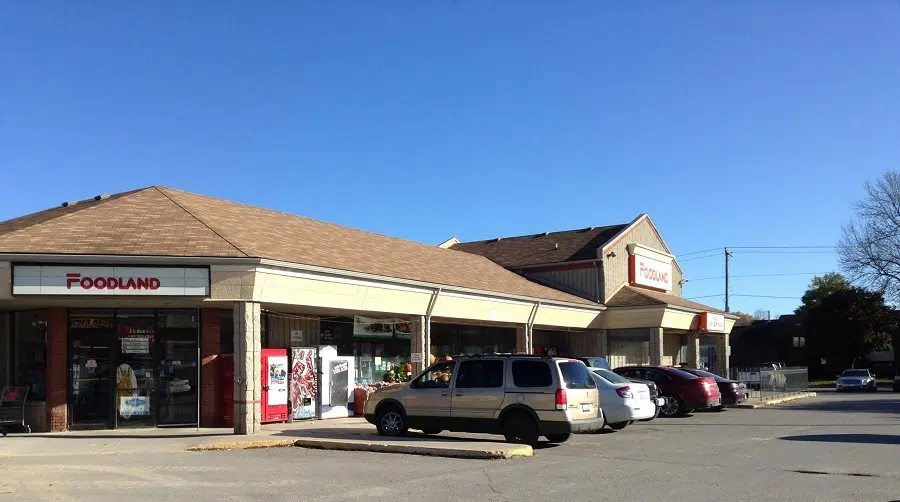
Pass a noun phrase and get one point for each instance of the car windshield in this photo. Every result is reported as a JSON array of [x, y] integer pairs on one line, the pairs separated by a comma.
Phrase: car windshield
[[856, 373], [609, 376]]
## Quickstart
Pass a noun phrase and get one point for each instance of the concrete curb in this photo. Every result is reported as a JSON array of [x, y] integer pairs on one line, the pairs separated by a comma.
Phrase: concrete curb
[[770, 402], [244, 445], [504, 453]]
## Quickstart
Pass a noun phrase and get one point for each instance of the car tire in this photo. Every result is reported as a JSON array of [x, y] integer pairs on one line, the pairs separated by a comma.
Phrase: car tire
[[389, 421], [618, 425], [518, 427], [673, 408], [432, 432], [873, 389], [719, 409], [558, 438]]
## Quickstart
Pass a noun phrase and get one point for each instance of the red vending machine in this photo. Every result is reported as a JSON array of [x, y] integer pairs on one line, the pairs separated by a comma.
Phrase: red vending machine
[[274, 385]]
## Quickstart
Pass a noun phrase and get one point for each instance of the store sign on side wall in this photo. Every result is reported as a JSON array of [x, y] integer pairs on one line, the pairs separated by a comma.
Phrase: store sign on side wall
[[649, 272], [712, 322]]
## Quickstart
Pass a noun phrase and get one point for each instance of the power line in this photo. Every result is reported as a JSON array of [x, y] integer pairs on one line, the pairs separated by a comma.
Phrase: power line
[[770, 296], [700, 258], [700, 252], [704, 296], [756, 275], [784, 252], [782, 247]]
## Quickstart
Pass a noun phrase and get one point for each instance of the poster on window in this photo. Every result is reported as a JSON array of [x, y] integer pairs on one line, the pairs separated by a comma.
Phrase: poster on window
[[340, 381], [134, 406], [303, 383], [278, 391]]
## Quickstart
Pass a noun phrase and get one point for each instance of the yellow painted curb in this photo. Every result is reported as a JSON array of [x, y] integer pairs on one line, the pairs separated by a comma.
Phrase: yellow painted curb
[[781, 400], [244, 445], [412, 449]]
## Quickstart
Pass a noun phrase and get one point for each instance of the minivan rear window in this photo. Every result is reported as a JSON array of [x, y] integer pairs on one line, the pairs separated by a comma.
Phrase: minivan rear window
[[576, 375], [531, 374]]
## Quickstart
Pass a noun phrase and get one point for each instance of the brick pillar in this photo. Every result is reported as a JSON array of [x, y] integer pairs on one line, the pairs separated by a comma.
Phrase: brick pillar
[[524, 339], [56, 376], [656, 346], [247, 368], [420, 343], [210, 339], [693, 350]]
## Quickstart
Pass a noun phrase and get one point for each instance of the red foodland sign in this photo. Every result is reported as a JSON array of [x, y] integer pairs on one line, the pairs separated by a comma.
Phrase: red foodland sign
[[649, 272], [75, 279]]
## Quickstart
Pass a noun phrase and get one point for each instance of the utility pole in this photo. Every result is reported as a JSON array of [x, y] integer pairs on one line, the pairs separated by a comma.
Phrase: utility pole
[[727, 263]]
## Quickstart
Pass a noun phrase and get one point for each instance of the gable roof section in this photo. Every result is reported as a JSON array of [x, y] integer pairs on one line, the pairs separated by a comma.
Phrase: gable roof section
[[142, 222], [160, 221], [546, 248], [630, 296]]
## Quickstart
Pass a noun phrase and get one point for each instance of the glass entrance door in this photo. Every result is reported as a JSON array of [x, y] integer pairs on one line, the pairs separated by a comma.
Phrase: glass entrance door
[[178, 369], [135, 371], [90, 337]]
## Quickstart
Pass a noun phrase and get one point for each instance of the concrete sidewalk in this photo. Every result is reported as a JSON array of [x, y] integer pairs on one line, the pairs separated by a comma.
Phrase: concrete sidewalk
[[753, 404], [340, 434]]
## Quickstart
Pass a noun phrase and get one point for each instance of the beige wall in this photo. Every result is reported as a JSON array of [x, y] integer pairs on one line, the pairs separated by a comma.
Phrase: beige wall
[[5, 280], [615, 269], [231, 282]]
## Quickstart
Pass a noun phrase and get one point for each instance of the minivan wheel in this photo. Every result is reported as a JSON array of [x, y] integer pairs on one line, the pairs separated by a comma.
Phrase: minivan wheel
[[520, 428], [618, 426], [558, 438], [390, 422], [673, 407]]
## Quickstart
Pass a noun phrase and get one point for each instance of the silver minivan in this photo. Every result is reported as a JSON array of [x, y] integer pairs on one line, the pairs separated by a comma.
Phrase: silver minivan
[[521, 397]]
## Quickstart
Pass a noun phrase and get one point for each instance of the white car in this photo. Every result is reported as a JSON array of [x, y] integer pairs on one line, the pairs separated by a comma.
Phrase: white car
[[621, 400]]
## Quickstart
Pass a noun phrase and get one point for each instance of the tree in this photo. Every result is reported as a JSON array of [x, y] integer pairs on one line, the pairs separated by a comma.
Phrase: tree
[[761, 315], [744, 319], [847, 325], [821, 287], [870, 245]]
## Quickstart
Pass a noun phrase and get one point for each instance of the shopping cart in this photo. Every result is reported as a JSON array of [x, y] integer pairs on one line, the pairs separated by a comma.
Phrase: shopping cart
[[12, 408]]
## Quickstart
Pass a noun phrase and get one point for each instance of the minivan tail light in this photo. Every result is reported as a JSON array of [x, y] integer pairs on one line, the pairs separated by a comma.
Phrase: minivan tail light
[[562, 400], [624, 392]]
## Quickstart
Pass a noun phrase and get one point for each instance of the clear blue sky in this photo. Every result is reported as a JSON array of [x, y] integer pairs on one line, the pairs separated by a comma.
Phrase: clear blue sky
[[739, 125]]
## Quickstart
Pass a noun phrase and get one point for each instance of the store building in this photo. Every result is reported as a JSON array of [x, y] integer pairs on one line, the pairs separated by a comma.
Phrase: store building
[[630, 269], [119, 311]]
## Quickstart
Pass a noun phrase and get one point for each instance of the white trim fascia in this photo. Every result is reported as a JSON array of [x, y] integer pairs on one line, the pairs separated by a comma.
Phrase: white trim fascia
[[421, 284], [621, 233], [634, 245], [341, 280]]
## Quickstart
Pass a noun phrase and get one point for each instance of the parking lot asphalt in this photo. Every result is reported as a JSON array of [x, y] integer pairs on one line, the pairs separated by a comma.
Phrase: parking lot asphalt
[[833, 447]]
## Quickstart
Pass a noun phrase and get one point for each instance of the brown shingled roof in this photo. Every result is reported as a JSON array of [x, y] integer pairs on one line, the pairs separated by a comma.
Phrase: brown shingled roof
[[539, 249], [160, 221], [630, 296]]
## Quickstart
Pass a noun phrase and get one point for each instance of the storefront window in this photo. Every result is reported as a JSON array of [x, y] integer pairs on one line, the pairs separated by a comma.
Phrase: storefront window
[[455, 340], [375, 354], [30, 352]]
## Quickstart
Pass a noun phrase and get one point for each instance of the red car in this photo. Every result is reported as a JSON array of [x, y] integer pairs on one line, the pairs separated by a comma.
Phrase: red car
[[683, 391]]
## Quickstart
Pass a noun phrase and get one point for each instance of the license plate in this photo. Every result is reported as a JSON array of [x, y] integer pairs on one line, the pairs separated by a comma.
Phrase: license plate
[[586, 407]]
